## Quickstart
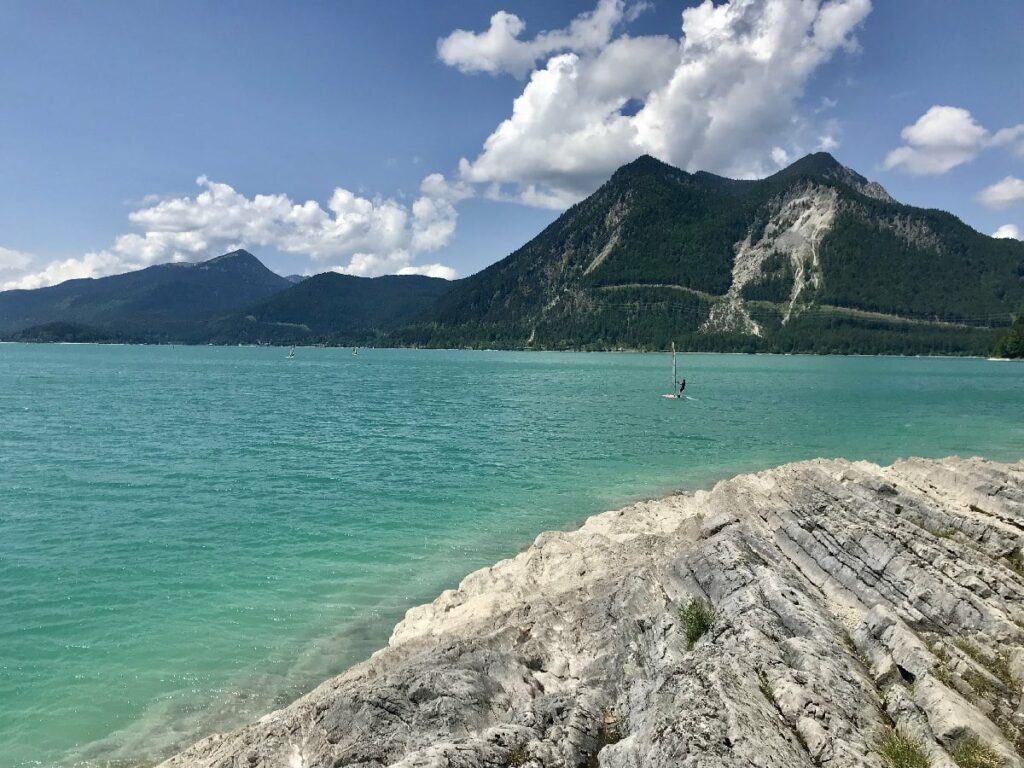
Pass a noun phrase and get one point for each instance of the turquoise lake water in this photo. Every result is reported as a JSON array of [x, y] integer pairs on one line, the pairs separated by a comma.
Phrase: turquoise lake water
[[192, 536]]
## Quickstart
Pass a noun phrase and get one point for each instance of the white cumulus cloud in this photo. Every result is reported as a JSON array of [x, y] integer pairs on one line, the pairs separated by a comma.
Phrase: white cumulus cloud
[[723, 96], [1003, 193], [372, 237], [13, 263], [827, 142], [1008, 232], [430, 270], [943, 138], [500, 49], [93, 264], [11, 259]]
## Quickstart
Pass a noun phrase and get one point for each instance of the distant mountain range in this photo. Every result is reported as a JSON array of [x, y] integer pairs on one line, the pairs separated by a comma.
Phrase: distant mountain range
[[814, 258], [161, 303], [231, 299]]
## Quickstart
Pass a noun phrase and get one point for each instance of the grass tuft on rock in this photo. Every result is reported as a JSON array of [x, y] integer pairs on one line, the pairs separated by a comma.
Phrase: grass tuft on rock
[[998, 664], [971, 753], [902, 751], [981, 684], [516, 758], [698, 617], [970, 649], [1000, 667]]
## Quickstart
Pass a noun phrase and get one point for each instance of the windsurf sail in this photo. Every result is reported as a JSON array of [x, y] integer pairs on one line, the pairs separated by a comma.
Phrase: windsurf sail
[[674, 394]]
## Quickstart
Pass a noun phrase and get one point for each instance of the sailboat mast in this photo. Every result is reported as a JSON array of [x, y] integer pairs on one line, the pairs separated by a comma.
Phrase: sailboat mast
[[674, 377]]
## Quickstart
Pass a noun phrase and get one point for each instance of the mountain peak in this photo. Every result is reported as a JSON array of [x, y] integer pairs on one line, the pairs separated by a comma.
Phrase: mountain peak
[[237, 255], [645, 160], [818, 164], [645, 164], [239, 262], [824, 165]]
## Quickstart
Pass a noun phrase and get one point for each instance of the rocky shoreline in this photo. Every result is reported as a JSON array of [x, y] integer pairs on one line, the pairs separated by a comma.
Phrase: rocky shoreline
[[823, 613]]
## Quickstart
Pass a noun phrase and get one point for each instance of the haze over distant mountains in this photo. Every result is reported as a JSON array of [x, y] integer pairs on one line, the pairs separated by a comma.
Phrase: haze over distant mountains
[[814, 258]]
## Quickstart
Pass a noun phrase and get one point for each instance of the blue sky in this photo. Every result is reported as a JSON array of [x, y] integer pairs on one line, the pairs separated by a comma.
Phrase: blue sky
[[110, 112]]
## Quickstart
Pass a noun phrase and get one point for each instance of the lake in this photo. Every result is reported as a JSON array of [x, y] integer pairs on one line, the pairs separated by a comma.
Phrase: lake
[[190, 536]]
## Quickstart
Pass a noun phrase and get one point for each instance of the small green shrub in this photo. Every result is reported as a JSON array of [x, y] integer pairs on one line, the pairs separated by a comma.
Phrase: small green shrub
[[971, 753], [516, 757], [698, 617], [902, 751]]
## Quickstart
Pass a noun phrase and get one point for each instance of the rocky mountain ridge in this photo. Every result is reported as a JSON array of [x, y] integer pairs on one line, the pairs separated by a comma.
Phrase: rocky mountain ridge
[[786, 263], [822, 613]]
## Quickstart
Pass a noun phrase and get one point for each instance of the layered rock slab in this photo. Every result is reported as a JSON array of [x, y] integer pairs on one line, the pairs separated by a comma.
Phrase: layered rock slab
[[849, 600]]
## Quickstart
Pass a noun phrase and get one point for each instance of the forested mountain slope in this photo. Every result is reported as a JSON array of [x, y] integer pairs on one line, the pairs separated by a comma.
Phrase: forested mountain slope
[[813, 258]]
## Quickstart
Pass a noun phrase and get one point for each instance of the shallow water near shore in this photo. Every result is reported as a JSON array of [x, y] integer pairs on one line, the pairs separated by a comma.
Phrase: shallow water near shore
[[190, 536]]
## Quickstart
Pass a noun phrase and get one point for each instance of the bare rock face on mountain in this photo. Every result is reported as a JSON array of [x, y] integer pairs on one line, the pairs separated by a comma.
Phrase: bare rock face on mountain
[[791, 237], [810, 615]]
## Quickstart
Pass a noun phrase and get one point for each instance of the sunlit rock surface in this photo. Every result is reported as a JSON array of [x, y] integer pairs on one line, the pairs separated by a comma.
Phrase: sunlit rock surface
[[849, 599]]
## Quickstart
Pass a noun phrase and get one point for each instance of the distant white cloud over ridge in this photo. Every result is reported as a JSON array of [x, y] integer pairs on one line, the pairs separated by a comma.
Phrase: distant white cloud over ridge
[[722, 97], [370, 237], [945, 137], [13, 262], [1003, 194], [1009, 232]]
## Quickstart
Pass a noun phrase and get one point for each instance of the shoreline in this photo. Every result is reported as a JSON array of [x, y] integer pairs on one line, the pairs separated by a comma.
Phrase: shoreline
[[125, 745], [516, 349], [574, 576]]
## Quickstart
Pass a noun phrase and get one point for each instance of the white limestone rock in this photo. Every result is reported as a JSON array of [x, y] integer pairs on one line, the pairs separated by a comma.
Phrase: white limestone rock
[[848, 598]]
